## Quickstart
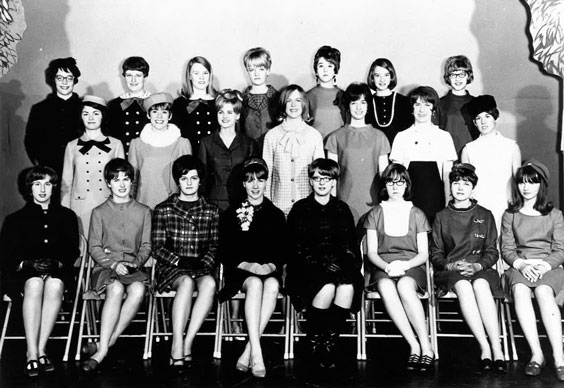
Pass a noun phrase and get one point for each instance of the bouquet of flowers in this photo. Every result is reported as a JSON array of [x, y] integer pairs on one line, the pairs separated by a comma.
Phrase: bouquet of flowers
[[245, 215]]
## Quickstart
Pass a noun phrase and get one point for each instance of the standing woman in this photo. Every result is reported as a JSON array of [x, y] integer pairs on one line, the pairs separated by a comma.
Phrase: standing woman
[[252, 247], [289, 148], [397, 241], [224, 152], [390, 111], [532, 243], [194, 111], [495, 157], [83, 186], [427, 152], [39, 246]]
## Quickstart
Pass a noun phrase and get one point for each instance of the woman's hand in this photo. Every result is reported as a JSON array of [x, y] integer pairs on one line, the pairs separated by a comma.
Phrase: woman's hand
[[122, 267], [541, 269], [469, 269], [397, 268], [531, 273]]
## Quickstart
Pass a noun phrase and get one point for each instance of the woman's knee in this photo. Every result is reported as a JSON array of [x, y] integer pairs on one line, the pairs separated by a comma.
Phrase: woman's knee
[[136, 290], [407, 287], [544, 294], [33, 287], [206, 284], [252, 284], [271, 286], [115, 289]]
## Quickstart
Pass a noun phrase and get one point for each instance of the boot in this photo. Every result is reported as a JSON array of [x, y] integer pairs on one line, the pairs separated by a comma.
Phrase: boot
[[328, 353], [317, 321]]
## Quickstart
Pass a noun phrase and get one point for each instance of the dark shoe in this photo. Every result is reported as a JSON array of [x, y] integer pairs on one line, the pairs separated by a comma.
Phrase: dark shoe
[[45, 365], [533, 368], [90, 365], [560, 373], [486, 363], [315, 345], [500, 366], [328, 345], [176, 364], [187, 359], [413, 362], [32, 368], [89, 349], [426, 363]]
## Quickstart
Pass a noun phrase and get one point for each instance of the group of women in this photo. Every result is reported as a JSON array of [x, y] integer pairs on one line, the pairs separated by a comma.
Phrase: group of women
[[390, 174]]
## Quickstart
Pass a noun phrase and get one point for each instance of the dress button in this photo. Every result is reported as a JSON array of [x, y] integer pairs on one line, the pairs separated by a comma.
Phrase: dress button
[[45, 226], [137, 122], [87, 189], [209, 122], [292, 179], [197, 122], [88, 172], [45, 241], [100, 189], [137, 112], [137, 133], [293, 200], [208, 113], [127, 134], [292, 160], [197, 113], [127, 143], [127, 123], [127, 113], [86, 162], [199, 133]]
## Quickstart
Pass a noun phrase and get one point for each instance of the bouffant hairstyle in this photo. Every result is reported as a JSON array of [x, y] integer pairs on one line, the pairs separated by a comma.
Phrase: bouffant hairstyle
[[330, 54], [186, 163], [136, 64], [66, 64], [257, 56], [229, 96], [117, 165], [458, 63], [426, 94]]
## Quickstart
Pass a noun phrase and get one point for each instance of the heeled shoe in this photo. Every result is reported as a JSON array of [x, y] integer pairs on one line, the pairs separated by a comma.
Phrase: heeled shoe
[[486, 363], [258, 369], [243, 363], [176, 364], [90, 365], [533, 368], [89, 349], [45, 365], [32, 368], [426, 363], [500, 366], [187, 359], [412, 361], [560, 373]]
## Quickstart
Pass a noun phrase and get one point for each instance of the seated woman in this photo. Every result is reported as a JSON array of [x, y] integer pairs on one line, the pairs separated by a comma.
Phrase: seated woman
[[252, 240], [532, 243], [396, 236], [120, 243], [184, 238], [324, 271], [39, 246], [463, 252]]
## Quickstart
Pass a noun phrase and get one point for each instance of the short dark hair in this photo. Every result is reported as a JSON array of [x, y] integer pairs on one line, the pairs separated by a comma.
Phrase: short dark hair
[[160, 105], [184, 164], [528, 174], [330, 54], [386, 64], [137, 64], [325, 167], [105, 120], [394, 171], [37, 173], [66, 64], [254, 167], [353, 93], [117, 165], [462, 174], [427, 94]]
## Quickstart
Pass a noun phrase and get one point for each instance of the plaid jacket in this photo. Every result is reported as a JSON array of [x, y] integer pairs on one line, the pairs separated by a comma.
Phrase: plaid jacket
[[178, 235]]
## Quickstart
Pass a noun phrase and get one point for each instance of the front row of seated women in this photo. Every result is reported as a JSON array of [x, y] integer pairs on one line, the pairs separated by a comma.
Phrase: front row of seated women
[[189, 237]]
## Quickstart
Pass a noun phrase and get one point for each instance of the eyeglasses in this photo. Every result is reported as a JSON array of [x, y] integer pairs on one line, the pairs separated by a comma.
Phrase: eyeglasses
[[61, 78], [318, 179], [397, 183], [460, 74]]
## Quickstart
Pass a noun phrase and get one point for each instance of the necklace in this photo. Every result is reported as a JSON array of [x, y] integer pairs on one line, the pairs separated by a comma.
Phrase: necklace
[[391, 116]]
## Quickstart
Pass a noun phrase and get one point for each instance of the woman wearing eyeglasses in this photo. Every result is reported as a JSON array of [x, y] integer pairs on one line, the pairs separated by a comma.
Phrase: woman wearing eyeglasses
[[397, 246], [324, 270]]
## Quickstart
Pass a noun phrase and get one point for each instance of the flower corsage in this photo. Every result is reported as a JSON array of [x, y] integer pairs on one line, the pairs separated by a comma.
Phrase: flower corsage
[[245, 215]]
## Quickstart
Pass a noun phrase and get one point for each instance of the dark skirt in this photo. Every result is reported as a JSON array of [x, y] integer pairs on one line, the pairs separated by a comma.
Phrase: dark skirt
[[427, 188], [303, 284], [418, 274], [167, 275], [235, 278], [445, 280], [101, 277], [14, 282], [553, 278]]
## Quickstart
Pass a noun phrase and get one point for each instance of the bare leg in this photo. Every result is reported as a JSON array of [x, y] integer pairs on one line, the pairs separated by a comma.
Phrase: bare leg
[[31, 311], [344, 295], [202, 306], [181, 307], [489, 314], [52, 299], [407, 291], [551, 319], [324, 298], [528, 320], [130, 307], [394, 307]]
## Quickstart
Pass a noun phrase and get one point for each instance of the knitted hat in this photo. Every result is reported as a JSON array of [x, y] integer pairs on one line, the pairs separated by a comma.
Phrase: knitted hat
[[540, 168], [94, 99], [481, 104], [157, 98]]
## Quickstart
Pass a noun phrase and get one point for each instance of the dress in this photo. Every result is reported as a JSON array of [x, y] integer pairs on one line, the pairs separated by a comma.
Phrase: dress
[[189, 235], [492, 156], [83, 186], [195, 118], [322, 234], [52, 124], [359, 151], [423, 149], [223, 165], [287, 155], [465, 234], [153, 166], [119, 232], [391, 248], [455, 119], [32, 233], [264, 242], [259, 112], [127, 118], [395, 108], [534, 238], [326, 109]]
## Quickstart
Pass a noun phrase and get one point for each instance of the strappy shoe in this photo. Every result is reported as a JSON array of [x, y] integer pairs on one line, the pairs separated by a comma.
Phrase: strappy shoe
[[176, 364], [45, 365], [242, 364], [187, 359], [426, 363], [32, 368], [413, 362], [258, 369]]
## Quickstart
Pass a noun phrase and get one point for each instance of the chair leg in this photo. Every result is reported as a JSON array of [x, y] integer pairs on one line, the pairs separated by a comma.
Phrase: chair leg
[[509, 321], [219, 330], [149, 328], [5, 326], [501, 311], [287, 329], [81, 330]]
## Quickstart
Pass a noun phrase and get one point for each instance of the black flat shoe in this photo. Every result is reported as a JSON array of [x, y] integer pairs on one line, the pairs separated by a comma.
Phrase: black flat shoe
[[32, 368], [413, 362], [90, 365], [426, 363], [500, 366], [486, 363], [176, 364], [89, 349], [45, 365]]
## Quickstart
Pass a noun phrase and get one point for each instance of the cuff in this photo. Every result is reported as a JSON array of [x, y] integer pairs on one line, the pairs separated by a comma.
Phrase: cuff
[[546, 265], [517, 263]]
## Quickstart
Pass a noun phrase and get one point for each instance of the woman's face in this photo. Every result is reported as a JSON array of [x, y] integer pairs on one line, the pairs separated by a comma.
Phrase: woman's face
[[120, 186], [359, 108], [461, 190], [41, 191], [458, 80], [258, 74], [159, 118], [189, 184], [199, 77], [529, 190], [382, 78], [422, 111], [64, 83], [396, 188], [485, 123], [255, 189], [226, 116], [294, 105], [91, 117], [325, 70], [322, 185], [135, 80]]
